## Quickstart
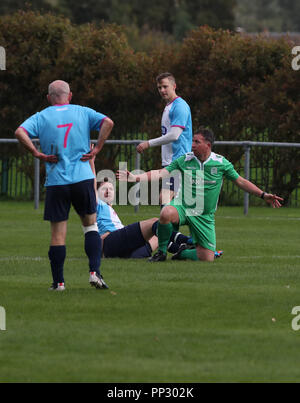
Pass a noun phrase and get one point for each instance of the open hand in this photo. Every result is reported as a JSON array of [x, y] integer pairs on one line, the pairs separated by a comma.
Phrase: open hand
[[273, 200], [91, 155], [46, 158], [125, 176]]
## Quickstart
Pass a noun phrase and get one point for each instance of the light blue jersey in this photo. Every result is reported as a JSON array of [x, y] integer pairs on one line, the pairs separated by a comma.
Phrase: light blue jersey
[[64, 130], [107, 218], [176, 114]]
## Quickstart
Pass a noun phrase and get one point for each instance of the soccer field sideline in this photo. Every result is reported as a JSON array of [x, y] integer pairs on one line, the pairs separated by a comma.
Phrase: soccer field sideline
[[83, 259]]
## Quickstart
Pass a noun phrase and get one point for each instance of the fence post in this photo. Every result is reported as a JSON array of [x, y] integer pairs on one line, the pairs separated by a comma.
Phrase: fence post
[[137, 167], [4, 179], [36, 183], [247, 176]]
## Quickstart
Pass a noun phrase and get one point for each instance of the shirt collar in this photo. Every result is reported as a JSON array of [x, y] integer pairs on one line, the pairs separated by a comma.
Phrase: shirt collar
[[189, 156]]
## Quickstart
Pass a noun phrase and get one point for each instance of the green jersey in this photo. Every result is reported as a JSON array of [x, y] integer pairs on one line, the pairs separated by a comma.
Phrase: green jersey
[[201, 182]]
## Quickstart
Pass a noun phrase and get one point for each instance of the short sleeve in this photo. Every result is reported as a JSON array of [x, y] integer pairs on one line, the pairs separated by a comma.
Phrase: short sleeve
[[31, 126], [174, 165], [95, 118], [179, 115], [229, 172]]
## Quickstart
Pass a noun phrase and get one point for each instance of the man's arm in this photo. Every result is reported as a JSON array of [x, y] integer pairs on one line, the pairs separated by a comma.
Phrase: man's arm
[[154, 175], [25, 140], [249, 187], [171, 136], [104, 133], [92, 164]]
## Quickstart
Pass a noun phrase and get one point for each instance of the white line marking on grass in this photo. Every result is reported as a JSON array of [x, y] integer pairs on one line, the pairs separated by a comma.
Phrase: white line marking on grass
[[261, 218], [39, 258], [269, 257], [31, 258], [21, 258]]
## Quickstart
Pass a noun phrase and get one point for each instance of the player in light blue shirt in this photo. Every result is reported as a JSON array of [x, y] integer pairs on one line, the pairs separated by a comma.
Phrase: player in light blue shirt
[[64, 134], [177, 132], [177, 117], [107, 218], [64, 130]]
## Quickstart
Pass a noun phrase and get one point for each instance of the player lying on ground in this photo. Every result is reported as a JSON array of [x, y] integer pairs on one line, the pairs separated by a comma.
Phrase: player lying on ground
[[202, 172], [137, 240]]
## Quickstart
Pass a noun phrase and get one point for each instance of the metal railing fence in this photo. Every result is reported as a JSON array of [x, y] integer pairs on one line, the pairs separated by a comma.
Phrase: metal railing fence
[[245, 145]]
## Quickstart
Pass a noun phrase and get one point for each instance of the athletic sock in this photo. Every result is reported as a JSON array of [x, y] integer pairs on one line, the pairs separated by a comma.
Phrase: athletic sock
[[189, 254], [164, 232], [173, 247], [154, 228], [179, 238], [93, 250], [176, 236], [57, 255]]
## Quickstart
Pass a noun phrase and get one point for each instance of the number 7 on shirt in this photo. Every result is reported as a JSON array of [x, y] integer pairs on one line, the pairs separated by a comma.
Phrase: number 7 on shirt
[[69, 127]]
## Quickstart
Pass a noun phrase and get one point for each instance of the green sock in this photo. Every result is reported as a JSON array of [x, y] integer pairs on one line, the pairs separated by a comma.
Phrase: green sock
[[190, 254], [164, 232]]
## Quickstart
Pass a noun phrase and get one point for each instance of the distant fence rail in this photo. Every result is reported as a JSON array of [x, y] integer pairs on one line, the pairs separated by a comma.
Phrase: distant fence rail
[[5, 168]]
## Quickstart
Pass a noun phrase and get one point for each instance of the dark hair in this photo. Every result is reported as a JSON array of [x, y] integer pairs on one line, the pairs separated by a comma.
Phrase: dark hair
[[100, 183], [207, 134], [165, 75]]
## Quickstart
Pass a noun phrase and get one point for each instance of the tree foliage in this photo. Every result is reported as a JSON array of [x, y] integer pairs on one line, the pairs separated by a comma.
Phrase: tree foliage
[[11, 6], [175, 17], [245, 89], [270, 15]]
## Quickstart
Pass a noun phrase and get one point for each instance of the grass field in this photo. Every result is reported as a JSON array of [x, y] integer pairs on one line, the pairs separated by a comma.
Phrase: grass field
[[228, 321]]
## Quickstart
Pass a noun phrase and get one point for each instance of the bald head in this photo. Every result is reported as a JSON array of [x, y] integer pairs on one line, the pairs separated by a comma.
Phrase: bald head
[[59, 92]]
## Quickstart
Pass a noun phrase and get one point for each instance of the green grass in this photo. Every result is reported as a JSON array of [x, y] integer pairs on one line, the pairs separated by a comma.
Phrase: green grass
[[228, 321]]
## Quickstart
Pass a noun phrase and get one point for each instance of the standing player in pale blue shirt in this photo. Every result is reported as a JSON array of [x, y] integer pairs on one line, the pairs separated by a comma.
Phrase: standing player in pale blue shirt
[[64, 134], [177, 132]]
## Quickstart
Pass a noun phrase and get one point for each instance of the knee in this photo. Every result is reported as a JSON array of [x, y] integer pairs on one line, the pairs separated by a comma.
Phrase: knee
[[90, 228], [205, 255], [166, 215]]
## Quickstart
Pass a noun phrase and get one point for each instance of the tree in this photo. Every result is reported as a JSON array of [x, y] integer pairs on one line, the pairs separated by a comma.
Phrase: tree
[[175, 17], [216, 14], [271, 15], [291, 12], [11, 6]]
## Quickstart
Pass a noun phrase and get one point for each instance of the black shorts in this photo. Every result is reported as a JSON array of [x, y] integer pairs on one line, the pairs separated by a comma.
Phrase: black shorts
[[171, 183], [127, 242], [80, 195]]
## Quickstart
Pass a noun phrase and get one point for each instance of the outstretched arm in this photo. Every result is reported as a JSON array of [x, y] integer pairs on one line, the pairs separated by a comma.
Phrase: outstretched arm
[[25, 140], [92, 164], [249, 187], [154, 175], [171, 136]]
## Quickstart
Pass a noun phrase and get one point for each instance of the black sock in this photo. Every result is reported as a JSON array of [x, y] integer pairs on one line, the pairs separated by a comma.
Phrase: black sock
[[176, 237], [57, 255], [93, 250], [154, 228], [179, 238], [173, 247]]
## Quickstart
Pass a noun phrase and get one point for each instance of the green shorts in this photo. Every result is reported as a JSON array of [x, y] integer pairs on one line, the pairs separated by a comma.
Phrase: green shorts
[[202, 227]]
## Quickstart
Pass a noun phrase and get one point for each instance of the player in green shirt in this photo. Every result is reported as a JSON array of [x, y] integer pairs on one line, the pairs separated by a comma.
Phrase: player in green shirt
[[202, 172]]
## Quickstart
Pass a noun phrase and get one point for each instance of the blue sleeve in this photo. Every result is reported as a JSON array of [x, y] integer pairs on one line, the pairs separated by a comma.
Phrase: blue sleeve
[[31, 126], [99, 215], [95, 118], [179, 114]]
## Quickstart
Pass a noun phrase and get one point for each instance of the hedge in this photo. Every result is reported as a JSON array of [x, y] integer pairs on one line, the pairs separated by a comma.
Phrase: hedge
[[241, 87]]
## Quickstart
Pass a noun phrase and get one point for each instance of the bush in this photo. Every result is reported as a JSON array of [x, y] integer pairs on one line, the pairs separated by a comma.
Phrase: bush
[[243, 88]]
